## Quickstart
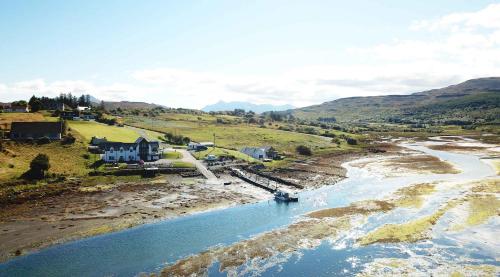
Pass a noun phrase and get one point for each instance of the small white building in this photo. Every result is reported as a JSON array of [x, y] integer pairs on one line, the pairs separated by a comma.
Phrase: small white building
[[82, 108], [141, 149], [260, 153], [200, 146]]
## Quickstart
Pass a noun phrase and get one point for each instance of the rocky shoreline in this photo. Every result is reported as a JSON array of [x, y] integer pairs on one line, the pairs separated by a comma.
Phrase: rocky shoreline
[[78, 213]]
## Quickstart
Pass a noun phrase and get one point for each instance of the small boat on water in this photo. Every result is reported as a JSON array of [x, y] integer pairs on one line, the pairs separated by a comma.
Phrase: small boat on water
[[285, 196]]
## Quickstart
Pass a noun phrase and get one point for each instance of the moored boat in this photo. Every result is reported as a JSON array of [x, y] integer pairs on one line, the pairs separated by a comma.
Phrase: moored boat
[[285, 196]]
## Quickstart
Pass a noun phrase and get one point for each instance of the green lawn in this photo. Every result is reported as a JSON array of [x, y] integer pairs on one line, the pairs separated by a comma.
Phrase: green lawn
[[88, 129], [181, 164], [172, 155]]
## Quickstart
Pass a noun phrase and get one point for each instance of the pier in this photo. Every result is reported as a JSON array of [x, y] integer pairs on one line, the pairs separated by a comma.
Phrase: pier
[[255, 180]]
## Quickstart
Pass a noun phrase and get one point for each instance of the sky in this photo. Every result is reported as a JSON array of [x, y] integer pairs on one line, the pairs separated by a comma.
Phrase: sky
[[194, 53]]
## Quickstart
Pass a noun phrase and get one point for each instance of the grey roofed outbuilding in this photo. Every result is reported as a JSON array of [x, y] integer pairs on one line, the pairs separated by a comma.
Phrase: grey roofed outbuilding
[[36, 129]]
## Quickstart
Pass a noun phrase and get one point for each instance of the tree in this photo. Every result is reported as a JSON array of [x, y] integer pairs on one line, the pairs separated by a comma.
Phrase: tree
[[32, 99], [36, 105], [39, 165], [81, 101], [186, 140], [303, 150], [19, 103]]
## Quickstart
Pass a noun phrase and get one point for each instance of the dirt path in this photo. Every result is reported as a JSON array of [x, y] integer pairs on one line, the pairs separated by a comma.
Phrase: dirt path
[[187, 157]]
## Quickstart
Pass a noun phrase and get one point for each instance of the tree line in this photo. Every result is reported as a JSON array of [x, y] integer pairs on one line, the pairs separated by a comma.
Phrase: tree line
[[47, 103]]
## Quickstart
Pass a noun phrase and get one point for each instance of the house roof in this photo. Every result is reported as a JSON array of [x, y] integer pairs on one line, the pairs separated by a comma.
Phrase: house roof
[[13, 107], [249, 150], [264, 148], [97, 140], [107, 145], [116, 145], [37, 127], [19, 106]]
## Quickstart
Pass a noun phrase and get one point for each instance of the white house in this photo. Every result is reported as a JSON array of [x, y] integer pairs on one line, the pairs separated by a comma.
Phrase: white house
[[141, 149], [260, 153], [82, 108], [199, 146]]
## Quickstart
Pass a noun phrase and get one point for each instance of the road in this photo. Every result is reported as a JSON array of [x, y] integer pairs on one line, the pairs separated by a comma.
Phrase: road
[[187, 157]]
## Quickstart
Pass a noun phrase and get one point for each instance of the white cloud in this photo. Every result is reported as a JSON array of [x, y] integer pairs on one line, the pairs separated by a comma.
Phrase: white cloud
[[39, 87], [466, 46], [488, 17], [469, 47]]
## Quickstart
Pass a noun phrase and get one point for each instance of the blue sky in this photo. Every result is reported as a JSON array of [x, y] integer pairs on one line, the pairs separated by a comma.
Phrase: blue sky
[[192, 53]]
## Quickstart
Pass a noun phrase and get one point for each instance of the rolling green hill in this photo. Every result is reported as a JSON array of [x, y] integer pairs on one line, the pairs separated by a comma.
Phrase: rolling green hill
[[473, 101]]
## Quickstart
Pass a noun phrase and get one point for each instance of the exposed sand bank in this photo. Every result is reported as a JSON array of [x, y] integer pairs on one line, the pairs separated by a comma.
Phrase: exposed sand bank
[[307, 232], [76, 214]]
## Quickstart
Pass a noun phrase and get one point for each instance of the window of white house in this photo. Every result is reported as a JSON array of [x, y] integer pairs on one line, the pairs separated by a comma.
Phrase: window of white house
[[131, 149], [111, 157]]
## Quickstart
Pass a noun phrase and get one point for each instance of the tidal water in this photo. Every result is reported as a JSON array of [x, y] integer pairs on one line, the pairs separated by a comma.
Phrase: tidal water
[[148, 248]]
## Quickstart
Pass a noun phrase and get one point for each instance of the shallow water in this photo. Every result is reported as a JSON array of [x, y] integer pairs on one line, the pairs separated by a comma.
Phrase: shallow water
[[148, 248]]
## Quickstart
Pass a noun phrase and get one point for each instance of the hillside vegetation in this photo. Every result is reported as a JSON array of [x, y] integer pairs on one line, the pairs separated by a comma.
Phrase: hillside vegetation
[[232, 132], [472, 102]]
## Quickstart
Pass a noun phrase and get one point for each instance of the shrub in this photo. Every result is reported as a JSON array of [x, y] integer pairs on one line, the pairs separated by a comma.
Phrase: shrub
[[177, 139], [351, 141], [39, 165], [336, 141], [303, 150], [68, 139], [43, 140]]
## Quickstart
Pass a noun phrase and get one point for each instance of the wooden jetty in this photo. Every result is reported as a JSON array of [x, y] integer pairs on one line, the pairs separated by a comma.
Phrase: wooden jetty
[[256, 182]]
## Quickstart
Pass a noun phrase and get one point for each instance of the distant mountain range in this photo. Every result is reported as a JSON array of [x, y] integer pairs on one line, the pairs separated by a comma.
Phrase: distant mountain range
[[258, 108], [473, 101], [125, 105]]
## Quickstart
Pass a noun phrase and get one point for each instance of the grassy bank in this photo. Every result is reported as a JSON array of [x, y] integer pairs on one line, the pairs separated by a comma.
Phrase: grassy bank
[[88, 129], [234, 134], [64, 159]]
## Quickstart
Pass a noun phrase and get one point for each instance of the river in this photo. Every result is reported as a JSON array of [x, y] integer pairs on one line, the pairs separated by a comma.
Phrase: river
[[148, 248]]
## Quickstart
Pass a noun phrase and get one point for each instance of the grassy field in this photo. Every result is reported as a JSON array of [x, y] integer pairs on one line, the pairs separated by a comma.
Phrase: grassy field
[[64, 159], [88, 129], [233, 136], [7, 118]]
